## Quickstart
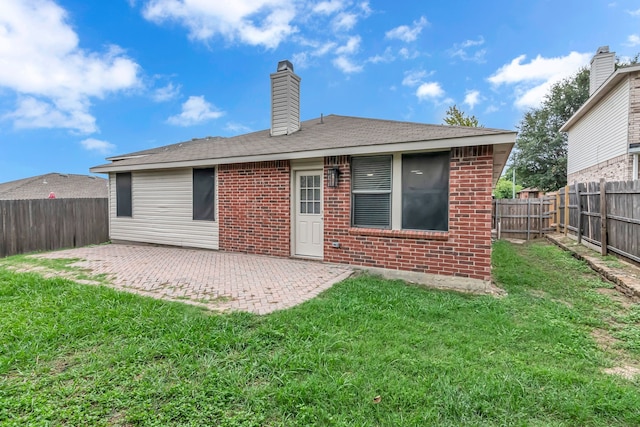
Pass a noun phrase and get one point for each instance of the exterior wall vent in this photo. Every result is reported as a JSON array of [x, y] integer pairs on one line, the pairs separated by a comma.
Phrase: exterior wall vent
[[603, 64], [285, 100]]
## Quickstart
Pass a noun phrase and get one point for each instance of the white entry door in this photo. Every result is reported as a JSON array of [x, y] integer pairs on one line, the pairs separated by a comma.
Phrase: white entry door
[[309, 228]]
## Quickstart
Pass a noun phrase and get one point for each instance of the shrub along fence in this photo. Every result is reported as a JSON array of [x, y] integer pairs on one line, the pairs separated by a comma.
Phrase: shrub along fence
[[48, 224]]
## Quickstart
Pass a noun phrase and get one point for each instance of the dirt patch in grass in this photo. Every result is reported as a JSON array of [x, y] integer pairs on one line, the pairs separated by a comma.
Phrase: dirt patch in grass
[[629, 372]]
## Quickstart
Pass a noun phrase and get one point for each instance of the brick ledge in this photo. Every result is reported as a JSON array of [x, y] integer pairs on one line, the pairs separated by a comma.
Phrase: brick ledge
[[405, 234]]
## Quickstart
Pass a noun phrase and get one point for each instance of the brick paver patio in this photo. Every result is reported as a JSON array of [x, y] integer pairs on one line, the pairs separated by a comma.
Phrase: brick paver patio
[[217, 280]]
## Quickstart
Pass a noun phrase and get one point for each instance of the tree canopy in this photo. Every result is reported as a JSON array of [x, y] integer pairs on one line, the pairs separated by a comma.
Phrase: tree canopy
[[504, 189], [540, 156], [456, 117]]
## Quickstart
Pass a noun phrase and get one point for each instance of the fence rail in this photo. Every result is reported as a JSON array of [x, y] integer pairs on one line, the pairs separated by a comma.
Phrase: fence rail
[[593, 212], [48, 224]]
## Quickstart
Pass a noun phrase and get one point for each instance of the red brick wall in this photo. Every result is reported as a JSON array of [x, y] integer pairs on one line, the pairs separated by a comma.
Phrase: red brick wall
[[254, 208], [464, 251]]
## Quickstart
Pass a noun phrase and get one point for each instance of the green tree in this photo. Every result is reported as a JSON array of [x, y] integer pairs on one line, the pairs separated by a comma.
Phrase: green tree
[[540, 155], [504, 189], [456, 117]]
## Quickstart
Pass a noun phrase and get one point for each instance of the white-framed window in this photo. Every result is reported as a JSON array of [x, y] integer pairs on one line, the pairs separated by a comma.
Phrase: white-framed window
[[123, 194], [204, 192], [371, 191], [421, 187]]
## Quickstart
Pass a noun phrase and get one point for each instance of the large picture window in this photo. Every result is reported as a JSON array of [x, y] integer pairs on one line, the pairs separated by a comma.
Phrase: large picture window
[[371, 191], [123, 194], [421, 187], [204, 194], [425, 191]]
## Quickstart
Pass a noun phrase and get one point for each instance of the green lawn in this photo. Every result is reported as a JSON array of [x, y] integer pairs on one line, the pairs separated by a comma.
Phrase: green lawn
[[84, 355]]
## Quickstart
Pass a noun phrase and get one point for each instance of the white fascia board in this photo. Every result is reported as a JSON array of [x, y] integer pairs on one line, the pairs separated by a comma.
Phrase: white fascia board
[[503, 138]]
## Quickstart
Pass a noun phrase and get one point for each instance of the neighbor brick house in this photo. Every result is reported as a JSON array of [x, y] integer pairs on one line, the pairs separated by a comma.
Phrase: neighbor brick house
[[604, 134], [374, 193]]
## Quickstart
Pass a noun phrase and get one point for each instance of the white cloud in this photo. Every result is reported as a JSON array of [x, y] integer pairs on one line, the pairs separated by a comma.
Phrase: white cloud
[[531, 81], [54, 79], [166, 93], [634, 12], [407, 33], [407, 54], [462, 50], [344, 21], [328, 7], [345, 65], [472, 98], [195, 110], [414, 77], [102, 147], [431, 90], [237, 128], [366, 9], [387, 56], [255, 22], [633, 40], [352, 46]]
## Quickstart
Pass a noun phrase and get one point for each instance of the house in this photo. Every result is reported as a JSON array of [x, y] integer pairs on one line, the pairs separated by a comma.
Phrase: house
[[55, 185], [529, 193], [375, 193], [604, 134]]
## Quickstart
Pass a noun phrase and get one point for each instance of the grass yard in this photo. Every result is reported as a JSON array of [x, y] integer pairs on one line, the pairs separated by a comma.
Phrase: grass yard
[[74, 354]]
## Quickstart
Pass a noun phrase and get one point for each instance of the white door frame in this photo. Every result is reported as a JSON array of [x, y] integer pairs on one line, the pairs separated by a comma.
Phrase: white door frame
[[314, 165]]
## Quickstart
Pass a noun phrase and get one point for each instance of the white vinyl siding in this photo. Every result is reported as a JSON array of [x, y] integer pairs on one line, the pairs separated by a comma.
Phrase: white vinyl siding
[[162, 211], [285, 107], [602, 133]]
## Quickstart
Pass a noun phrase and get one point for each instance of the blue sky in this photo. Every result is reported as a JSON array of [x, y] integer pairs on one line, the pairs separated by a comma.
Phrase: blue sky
[[82, 80]]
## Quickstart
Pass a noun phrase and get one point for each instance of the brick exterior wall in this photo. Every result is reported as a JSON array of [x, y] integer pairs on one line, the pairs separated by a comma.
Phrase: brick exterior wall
[[619, 168], [463, 251], [254, 208]]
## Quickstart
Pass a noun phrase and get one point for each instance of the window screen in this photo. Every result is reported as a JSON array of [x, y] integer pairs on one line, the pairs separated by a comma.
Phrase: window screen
[[425, 191], [123, 194], [204, 194], [371, 191]]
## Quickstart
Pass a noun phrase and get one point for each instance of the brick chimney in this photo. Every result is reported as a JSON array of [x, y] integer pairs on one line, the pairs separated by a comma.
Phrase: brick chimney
[[285, 100], [603, 64]]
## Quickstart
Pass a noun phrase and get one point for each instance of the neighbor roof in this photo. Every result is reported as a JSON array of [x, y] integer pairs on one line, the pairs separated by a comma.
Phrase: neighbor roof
[[328, 136], [600, 93], [63, 186]]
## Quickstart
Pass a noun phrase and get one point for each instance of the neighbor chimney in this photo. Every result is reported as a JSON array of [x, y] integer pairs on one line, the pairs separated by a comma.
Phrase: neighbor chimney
[[285, 100], [603, 64]]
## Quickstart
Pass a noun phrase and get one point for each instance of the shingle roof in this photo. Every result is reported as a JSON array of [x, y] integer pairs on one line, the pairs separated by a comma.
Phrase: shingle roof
[[64, 186], [332, 132]]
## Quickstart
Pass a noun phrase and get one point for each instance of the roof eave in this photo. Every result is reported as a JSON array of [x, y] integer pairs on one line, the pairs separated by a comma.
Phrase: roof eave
[[601, 92], [498, 138]]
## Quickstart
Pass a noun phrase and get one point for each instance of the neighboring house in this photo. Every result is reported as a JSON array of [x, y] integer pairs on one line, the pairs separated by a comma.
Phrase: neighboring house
[[55, 185], [604, 134], [366, 192], [529, 193]]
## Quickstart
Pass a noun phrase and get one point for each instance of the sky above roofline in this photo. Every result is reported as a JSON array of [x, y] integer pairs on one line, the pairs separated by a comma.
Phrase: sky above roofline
[[81, 81]]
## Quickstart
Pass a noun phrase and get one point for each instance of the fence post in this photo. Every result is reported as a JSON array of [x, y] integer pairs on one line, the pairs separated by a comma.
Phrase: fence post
[[603, 217], [557, 211], [566, 209], [579, 225], [528, 219], [540, 219]]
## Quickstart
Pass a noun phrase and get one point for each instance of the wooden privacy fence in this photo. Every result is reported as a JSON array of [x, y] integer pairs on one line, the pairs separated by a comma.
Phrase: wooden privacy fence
[[47, 224], [605, 214], [523, 218]]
